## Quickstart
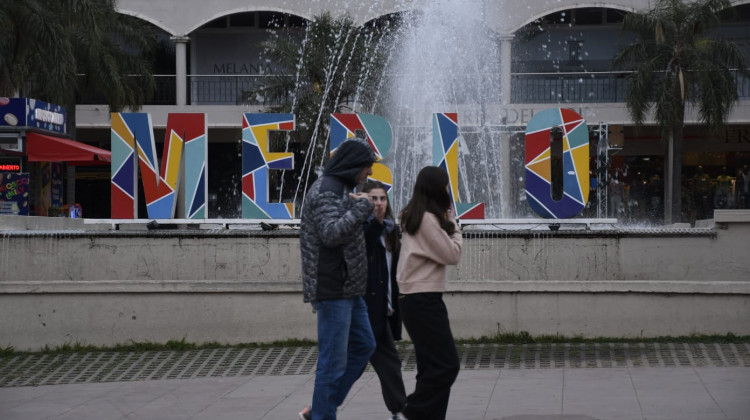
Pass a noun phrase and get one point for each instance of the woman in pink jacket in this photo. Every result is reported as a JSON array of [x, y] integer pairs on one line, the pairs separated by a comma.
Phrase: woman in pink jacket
[[431, 240]]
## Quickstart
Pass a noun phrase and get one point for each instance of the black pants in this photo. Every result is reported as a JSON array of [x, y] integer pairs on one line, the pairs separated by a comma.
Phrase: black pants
[[387, 365], [426, 320]]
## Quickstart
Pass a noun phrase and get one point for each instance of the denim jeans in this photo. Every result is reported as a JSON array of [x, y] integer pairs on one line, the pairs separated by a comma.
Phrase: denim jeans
[[345, 344]]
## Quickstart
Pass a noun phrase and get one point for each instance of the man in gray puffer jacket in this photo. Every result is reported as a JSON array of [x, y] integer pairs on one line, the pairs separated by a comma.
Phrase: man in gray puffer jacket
[[334, 274]]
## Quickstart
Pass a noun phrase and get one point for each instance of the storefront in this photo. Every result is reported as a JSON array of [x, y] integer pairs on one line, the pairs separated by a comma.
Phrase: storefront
[[37, 161], [714, 173]]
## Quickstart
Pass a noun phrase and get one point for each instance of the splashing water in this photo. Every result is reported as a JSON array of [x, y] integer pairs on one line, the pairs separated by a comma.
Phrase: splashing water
[[442, 58], [446, 60]]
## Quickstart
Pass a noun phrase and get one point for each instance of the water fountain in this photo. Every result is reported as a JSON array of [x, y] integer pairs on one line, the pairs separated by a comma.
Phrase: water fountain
[[440, 58], [224, 285], [447, 61]]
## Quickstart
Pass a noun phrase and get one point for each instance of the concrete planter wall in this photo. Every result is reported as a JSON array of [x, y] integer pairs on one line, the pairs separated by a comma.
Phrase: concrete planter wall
[[70, 284]]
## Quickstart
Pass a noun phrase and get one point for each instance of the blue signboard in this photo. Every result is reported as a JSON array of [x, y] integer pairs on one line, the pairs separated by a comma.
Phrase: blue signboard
[[32, 113]]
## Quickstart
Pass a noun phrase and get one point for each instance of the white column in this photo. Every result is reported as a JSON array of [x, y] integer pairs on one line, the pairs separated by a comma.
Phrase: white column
[[180, 43], [505, 176], [505, 139], [506, 42]]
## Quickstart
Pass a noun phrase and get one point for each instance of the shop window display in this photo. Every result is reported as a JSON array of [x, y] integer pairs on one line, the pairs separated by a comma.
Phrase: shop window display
[[617, 202], [636, 190], [714, 188], [700, 207], [742, 188], [723, 198]]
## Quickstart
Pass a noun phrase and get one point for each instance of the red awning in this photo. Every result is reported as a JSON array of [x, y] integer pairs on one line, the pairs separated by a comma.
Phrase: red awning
[[41, 148]]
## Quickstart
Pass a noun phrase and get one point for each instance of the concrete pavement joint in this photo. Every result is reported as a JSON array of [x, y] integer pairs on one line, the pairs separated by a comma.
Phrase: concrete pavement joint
[[708, 392]]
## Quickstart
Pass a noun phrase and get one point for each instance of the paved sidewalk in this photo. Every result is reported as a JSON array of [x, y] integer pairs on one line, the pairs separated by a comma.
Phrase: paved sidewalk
[[617, 393]]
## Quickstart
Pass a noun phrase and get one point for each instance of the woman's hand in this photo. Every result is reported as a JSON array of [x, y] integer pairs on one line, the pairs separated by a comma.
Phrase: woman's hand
[[450, 214]]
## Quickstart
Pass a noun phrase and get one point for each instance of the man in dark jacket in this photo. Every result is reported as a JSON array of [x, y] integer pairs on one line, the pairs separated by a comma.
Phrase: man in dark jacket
[[334, 273]]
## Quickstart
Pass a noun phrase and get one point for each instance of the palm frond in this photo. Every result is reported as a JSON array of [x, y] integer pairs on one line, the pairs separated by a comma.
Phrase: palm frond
[[60, 39]]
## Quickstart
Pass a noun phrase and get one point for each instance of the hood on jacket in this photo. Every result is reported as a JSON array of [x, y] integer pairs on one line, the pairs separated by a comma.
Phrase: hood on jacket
[[349, 159]]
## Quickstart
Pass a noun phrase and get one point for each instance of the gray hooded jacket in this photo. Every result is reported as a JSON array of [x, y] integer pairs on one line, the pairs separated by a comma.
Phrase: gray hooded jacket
[[334, 257]]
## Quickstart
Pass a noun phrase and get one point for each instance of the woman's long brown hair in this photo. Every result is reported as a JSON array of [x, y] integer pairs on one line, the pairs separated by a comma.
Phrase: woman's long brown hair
[[430, 195]]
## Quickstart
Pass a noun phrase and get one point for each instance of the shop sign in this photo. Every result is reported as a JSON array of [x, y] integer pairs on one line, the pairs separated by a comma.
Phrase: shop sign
[[737, 135], [45, 116], [133, 144], [241, 68], [14, 193], [10, 167], [25, 113], [10, 164]]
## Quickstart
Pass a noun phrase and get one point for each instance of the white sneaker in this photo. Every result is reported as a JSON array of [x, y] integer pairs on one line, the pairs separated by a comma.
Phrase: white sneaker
[[305, 414], [397, 416]]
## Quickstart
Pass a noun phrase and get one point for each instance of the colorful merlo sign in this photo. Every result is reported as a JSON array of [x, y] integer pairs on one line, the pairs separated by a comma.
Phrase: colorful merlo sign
[[133, 141], [185, 152], [575, 162], [379, 136], [257, 160], [445, 155]]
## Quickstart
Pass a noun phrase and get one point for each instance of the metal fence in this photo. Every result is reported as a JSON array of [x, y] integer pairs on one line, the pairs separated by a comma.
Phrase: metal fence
[[526, 88], [164, 94], [583, 87], [534, 88], [166, 90], [229, 90]]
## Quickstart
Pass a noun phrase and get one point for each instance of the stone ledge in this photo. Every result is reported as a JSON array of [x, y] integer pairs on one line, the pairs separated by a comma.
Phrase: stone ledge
[[154, 286], [138, 231], [295, 286], [611, 286], [732, 216]]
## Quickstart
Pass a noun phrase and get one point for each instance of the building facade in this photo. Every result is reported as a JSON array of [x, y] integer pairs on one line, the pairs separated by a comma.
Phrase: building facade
[[550, 53]]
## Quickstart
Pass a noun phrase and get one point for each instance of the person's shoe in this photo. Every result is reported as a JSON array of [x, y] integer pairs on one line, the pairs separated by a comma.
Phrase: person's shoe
[[397, 416], [305, 414]]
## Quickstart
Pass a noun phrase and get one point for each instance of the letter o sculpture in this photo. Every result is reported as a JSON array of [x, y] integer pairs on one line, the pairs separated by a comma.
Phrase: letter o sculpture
[[575, 163]]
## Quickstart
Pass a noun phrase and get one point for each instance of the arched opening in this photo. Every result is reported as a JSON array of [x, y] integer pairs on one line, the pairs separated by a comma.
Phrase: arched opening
[[226, 62], [162, 60], [226, 59], [566, 57]]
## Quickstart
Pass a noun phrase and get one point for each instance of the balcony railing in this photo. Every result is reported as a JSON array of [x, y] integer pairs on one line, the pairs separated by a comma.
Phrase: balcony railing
[[526, 88], [165, 93], [166, 90], [583, 87], [592, 87], [228, 90]]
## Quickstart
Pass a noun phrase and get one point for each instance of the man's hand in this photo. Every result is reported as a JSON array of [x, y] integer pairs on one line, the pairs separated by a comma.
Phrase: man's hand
[[359, 195]]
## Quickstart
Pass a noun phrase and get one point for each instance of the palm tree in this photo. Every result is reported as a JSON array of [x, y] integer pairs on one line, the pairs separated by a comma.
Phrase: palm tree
[[31, 47], [334, 66], [82, 46], [676, 63]]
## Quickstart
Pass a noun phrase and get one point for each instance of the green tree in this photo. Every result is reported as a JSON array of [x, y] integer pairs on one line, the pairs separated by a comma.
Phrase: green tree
[[60, 51], [330, 66], [676, 64], [31, 47]]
